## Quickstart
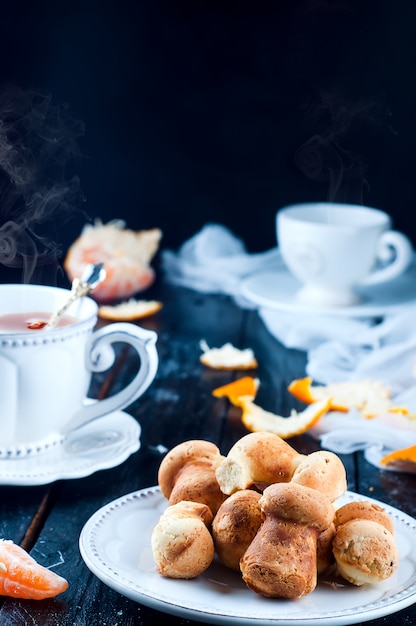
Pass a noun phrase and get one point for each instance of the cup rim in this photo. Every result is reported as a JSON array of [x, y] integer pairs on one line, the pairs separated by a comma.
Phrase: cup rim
[[76, 326], [295, 212]]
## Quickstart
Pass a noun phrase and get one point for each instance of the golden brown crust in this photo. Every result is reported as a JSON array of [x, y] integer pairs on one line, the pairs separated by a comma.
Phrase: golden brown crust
[[299, 504], [235, 525], [258, 457], [365, 551], [181, 543], [187, 472], [323, 471], [281, 561], [186, 452], [197, 482], [363, 509], [324, 554]]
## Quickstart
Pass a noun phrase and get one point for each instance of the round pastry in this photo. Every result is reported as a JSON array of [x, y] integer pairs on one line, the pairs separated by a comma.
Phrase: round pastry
[[257, 458], [187, 472], [363, 509], [182, 545], [364, 551], [235, 525], [323, 471], [364, 545]]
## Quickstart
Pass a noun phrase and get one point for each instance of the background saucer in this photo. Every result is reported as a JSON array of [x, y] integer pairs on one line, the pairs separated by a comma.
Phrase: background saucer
[[277, 289], [105, 443]]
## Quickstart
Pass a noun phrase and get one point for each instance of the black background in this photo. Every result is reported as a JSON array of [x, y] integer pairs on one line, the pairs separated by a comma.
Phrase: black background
[[196, 112]]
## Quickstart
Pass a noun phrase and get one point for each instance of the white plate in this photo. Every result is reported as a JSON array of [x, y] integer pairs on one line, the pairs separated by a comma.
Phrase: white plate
[[104, 443], [277, 289], [115, 545]]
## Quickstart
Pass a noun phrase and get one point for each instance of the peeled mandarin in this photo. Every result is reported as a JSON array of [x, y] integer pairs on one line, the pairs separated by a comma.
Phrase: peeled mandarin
[[126, 255]]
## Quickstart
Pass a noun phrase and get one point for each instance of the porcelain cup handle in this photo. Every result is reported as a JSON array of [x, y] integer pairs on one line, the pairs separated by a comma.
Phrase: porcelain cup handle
[[392, 245], [100, 356]]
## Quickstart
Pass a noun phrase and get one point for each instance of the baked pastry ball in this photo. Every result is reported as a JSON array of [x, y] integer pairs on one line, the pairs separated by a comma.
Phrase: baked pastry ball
[[259, 458], [187, 472], [363, 509], [235, 526], [364, 545], [323, 471], [182, 545], [281, 561]]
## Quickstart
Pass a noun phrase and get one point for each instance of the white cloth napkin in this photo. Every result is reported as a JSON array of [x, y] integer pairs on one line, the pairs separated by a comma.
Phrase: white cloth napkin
[[215, 261]]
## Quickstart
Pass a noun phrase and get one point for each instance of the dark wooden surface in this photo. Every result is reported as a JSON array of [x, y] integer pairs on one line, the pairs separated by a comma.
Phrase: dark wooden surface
[[47, 520]]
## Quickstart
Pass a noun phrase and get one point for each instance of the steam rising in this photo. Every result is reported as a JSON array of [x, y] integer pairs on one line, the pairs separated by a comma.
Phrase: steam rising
[[326, 157], [38, 151]]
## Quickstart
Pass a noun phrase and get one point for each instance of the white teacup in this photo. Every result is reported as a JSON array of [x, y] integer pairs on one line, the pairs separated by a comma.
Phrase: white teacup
[[45, 374], [334, 248]]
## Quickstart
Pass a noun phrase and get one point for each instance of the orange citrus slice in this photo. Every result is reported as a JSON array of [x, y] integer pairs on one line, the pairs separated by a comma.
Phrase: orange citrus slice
[[22, 577], [372, 398], [129, 310], [227, 357], [242, 393], [404, 457], [126, 255]]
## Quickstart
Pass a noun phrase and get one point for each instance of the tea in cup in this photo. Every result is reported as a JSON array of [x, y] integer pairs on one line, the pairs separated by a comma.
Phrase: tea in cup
[[45, 373], [334, 249]]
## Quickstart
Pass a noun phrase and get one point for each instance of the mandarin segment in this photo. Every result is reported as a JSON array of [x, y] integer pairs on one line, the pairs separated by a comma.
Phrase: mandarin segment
[[22, 577]]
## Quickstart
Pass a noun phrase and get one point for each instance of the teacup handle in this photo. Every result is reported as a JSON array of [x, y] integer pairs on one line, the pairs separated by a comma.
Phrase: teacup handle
[[100, 356], [391, 244]]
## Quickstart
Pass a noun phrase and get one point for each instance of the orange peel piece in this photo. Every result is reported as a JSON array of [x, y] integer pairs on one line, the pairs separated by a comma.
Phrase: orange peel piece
[[257, 419], [228, 357], [372, 398], [245, 387], [404, 458], [242, 393], [129, 310]]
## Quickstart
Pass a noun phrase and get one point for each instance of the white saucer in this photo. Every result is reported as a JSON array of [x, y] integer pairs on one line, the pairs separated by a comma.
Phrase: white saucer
[[105, 443], [277, 289], [121, 557]]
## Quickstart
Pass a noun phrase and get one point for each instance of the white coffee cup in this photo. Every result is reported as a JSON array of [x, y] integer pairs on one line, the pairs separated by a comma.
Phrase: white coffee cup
[[45, 374], [333, 249]]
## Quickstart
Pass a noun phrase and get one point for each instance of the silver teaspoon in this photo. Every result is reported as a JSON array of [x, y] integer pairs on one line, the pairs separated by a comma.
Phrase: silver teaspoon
[[92, 275]]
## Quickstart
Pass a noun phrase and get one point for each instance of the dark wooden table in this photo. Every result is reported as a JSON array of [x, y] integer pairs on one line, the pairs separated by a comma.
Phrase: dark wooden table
[[47, 520]]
